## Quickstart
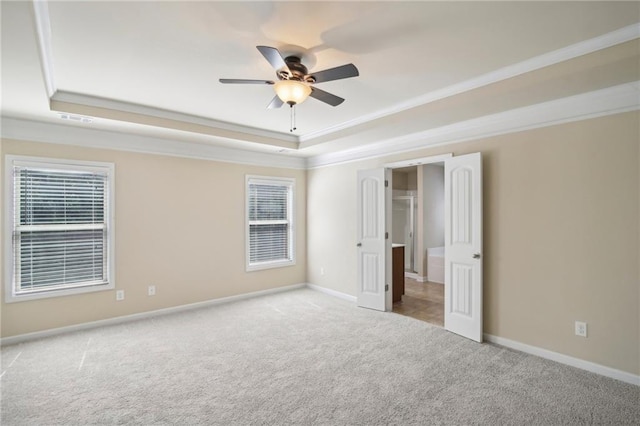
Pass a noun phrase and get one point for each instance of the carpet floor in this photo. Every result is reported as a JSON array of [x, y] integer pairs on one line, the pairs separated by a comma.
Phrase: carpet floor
[[299, 357]]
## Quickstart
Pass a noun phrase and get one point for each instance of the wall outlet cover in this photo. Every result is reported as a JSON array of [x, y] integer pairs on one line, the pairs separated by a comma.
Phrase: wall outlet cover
[[581, 329]]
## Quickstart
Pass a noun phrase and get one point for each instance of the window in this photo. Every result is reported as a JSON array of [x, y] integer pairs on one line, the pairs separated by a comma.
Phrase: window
[[59, 229], [270, 225]]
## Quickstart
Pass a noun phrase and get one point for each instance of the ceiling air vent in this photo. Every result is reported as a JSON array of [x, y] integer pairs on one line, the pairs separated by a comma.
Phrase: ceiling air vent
[[78, 118]]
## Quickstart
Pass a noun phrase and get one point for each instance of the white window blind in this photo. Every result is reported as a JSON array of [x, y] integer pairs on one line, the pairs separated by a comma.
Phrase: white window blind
[[60, 227], [270, 227]]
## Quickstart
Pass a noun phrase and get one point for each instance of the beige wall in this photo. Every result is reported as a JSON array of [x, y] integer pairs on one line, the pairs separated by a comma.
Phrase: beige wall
[[412, 180], [179, 226], [561, 229], [399, 181], [561, 235]]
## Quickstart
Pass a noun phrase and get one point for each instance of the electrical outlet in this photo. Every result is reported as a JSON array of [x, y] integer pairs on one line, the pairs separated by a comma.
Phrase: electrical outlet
[[321, 271], [120, 295], [152, 290], [581, 329]]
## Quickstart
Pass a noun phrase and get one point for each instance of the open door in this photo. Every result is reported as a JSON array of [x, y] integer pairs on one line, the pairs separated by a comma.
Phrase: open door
[[463, 246], [373, 273]]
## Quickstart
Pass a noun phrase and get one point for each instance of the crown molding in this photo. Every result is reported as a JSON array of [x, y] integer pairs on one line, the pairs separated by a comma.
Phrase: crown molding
[[40, 131], [43, 34], [613, 100], [119, 110], [613, 38], [230, 130], [77, 102]]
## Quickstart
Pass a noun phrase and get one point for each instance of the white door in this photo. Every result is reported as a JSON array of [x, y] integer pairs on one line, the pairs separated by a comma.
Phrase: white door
[[371, 242], [463, 246]]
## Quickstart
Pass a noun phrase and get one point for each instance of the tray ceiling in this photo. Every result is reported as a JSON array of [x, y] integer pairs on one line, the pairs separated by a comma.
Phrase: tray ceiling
[[152, 68]]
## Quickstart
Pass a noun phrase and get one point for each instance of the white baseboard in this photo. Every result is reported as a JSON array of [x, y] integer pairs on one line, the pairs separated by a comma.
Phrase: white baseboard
[[512, 344], [334, 293], [565, 359], [416, 277], [11, 340]]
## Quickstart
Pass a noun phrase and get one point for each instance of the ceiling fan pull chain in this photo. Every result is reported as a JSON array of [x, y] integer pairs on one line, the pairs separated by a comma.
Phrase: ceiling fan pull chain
[[292, 127]]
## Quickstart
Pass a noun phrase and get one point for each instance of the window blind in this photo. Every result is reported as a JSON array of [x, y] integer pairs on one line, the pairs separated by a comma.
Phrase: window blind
[[269, 206], [60, 231]]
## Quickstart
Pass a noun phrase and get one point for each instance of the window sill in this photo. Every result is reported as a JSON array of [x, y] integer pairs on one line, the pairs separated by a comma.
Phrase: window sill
[[12, 298], [269, 265]]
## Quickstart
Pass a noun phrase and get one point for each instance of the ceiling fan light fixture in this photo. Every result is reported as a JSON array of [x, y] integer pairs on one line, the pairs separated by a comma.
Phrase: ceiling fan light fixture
[[292, 92]]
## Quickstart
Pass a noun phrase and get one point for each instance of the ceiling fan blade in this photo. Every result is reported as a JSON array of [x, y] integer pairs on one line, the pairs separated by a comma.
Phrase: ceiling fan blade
[[326, 97], [274, 57], [276, 102], [337, 73], [240, 81]]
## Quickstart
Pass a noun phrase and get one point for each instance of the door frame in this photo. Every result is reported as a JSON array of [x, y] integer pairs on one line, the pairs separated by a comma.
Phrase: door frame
[[397, 165], [418, 161], [463, 286]]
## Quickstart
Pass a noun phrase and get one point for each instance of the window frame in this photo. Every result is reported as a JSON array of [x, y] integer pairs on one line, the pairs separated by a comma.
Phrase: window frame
[[280, 181], [9, 250]]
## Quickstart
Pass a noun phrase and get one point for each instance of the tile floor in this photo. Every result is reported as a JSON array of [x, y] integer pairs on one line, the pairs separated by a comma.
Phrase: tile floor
[[423, 301]]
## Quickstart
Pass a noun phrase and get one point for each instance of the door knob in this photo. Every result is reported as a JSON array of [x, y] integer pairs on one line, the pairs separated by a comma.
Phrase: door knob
[[359, 245], [476, 256]]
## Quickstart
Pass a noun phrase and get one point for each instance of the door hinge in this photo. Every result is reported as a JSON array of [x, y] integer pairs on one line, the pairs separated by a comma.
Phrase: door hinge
[[386, 183], [386, 235], [386, 287]]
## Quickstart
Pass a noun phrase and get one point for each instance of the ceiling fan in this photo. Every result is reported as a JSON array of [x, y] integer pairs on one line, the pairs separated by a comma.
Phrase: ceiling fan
[[295, 83]]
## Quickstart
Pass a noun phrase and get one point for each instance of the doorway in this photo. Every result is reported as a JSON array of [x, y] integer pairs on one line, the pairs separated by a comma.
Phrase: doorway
[[378, 280], [418, 227]]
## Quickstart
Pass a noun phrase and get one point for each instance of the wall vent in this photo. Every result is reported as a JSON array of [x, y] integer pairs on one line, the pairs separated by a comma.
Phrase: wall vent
[[79, 118]]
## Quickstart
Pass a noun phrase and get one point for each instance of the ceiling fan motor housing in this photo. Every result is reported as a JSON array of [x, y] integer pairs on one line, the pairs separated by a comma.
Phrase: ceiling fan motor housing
[[294, 84], [298, 71]]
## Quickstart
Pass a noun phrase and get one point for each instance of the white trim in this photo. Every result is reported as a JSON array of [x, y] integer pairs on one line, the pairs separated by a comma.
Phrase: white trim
[[419, 161], [333, 293], [58, 164], [543, 353], [622, 35], [42, 20], [416, 277], [67, 134], [565, 359], [612, 100], [604, 41], [291, 221], [185, 120], [43, 32], [12, 340]]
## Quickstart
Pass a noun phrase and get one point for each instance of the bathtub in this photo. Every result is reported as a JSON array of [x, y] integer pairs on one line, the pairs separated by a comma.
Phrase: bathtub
[[435, 265]]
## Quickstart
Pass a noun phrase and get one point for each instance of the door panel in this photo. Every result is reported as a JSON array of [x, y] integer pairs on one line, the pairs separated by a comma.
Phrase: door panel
[[371, 239], [463, 246]]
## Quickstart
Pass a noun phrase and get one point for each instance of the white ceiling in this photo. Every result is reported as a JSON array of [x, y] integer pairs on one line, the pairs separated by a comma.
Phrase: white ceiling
[[152, 68]]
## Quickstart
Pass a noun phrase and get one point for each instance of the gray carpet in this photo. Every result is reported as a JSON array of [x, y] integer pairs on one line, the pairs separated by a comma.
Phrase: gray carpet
[[299, 357]]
